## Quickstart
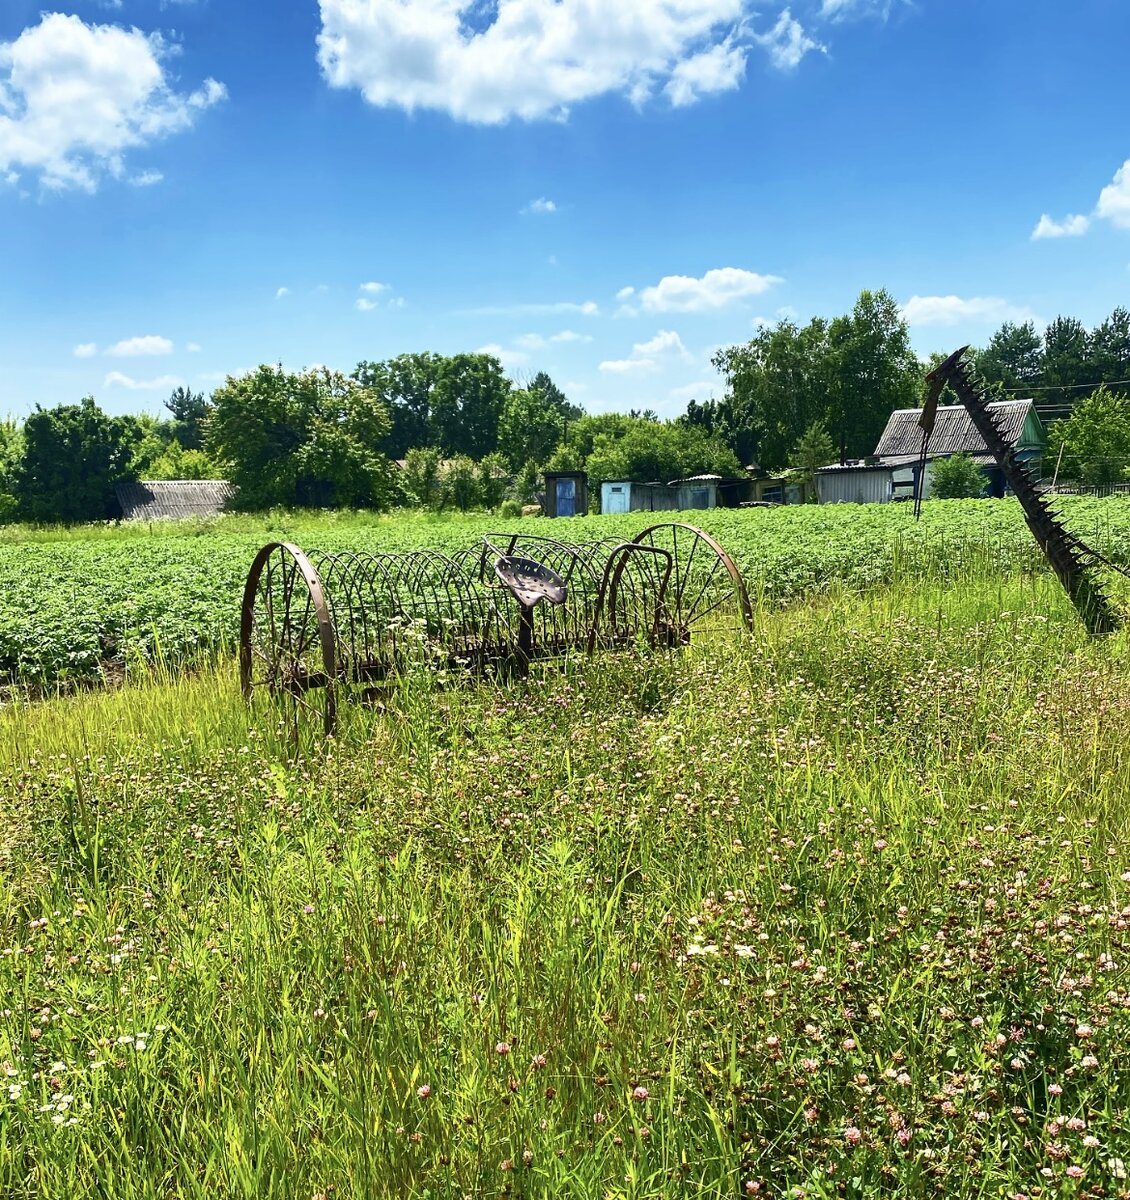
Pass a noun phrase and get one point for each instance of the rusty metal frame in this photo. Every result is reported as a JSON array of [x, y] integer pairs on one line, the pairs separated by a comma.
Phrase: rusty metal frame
[[367, 615]]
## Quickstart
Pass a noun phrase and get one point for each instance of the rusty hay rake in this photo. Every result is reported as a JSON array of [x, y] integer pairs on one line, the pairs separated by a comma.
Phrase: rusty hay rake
[[317, 628]]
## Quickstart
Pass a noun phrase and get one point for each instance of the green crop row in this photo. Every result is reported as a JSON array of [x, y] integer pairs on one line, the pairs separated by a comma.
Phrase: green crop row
[[81, 606]]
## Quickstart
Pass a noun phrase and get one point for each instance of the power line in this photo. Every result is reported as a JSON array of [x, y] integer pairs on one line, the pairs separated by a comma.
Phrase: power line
[[1067, 387]]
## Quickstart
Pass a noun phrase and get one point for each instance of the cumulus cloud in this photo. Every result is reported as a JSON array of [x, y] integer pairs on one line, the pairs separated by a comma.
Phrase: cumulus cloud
[[508, 358], [684, 293], [162, 382], [86, 350], [137, 347], [531, 59], [362, 304], [646, 356], [283, 291], [75, 98], [787, 42], [692, 391], [1071, 226], [541, 206], [194, 347], [719, 69], [374, 289], [952, 310], [1114, 199]]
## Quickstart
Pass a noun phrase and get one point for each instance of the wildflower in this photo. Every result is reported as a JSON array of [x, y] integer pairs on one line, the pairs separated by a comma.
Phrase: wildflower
[[307, 908], [1074, 1172], [880, 843], [527, 1157], [537, 1062], [902, 1079], [423, 1091], [502, 1048], [1090, 1061], [598, 1118], [506, 1165], [1083, 1032], [1055, 1089], [640, 1093], [752, 1187], [852, 1135], [1091, 1142], [849, 1044], [644, 1132]]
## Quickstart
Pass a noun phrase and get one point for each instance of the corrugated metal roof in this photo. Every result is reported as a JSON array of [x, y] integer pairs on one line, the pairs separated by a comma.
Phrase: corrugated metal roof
[[954, 431], [157, 499]]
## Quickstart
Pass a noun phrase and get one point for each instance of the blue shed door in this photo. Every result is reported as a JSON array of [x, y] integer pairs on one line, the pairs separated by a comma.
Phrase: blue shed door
[[566, 497]]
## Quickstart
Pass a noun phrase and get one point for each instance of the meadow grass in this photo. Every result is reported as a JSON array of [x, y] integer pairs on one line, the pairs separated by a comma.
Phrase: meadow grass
[[841, 909]]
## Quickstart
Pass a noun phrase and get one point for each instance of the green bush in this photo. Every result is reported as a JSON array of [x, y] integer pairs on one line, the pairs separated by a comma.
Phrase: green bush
[[957, 478]]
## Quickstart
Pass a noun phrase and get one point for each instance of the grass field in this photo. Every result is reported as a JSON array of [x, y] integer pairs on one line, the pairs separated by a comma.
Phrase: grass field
[[842, 909]]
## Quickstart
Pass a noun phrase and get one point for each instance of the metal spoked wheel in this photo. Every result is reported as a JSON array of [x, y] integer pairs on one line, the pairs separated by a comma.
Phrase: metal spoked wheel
[[286, 639], [705, 594]]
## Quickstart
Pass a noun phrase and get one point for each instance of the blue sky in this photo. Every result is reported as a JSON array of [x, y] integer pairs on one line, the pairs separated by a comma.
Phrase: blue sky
[[605, 191]]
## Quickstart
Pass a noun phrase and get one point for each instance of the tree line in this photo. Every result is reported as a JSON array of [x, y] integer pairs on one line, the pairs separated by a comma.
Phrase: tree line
[[441, 431]]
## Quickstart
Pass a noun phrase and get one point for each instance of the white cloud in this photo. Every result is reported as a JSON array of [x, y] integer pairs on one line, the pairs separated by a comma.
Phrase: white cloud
[[540, 206], [508, 358], [147, 178], [951, 310], [537, 341], [570, 335], [487, 61], [589, 308], [1114, 199], [1071, 226], [666, 340], [374, 289], [86, 350], [117, 379], [363, 305], [397, 302], [625, 293], [194, 348], [645, 356], [719, 69], [283, 291], [137, 347], [74, 98], [787, 42], [716, 289]]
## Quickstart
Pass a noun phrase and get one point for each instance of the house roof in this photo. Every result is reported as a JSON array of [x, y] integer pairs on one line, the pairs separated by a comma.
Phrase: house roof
[[156, 499], [954, 431]]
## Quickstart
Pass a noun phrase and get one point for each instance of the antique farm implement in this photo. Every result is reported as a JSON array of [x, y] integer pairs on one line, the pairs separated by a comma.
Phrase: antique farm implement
[[1075, 563], [319, 627]]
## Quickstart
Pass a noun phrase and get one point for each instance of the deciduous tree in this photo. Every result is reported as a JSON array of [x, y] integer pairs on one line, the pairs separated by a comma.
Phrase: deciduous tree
[[308, 439]]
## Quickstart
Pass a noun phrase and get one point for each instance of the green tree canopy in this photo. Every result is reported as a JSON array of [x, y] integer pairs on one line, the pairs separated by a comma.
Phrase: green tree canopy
[[647, 451], [74, 454], [529, 427], [406, 384], [1095, 439], [190, 411], [466, 405], [309, 439], [11, 455], [849, 374], [1014, 357]]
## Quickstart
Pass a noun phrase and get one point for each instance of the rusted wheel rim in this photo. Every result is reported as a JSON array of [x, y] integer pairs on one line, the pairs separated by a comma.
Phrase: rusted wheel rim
[[706, 590], [286, 641]]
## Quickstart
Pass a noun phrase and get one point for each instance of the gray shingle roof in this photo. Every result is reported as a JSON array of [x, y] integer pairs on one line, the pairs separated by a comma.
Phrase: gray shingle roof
[[954, 431], [161, 498]]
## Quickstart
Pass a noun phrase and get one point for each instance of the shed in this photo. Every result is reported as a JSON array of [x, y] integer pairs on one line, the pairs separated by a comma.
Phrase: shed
[[900, 446], [855, 483], [164, 499], [623, 495], [566, 493]]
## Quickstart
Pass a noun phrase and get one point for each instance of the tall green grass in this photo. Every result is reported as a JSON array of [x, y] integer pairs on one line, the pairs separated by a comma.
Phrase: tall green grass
[[842, 907]]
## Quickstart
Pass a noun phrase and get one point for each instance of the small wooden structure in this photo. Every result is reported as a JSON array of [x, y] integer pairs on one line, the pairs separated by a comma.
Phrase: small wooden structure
[[566, 493]]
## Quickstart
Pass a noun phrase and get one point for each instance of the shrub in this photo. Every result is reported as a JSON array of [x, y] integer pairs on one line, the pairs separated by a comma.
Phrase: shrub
[[957, 478]]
